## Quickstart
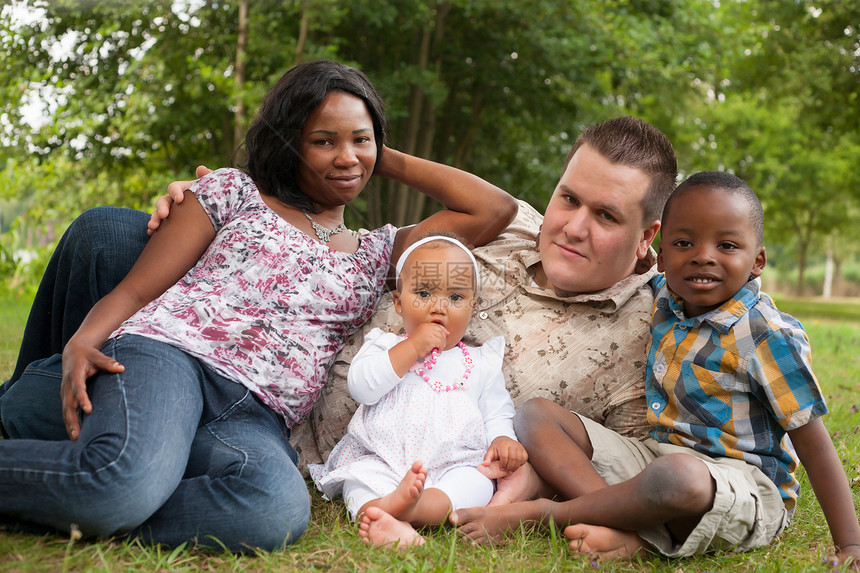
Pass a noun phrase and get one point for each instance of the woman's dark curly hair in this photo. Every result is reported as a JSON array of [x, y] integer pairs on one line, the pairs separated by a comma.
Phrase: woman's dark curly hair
[[273, 139]]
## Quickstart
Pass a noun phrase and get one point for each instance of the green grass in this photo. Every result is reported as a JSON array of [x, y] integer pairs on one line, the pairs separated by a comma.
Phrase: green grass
[[818, 309], [331, 543]]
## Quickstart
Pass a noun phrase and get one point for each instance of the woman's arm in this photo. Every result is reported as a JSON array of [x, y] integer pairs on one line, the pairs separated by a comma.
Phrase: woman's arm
[[827, 477], [168, 255], [474, 209]]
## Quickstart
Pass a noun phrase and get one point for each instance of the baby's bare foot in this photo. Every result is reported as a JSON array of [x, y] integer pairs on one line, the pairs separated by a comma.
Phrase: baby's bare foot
[[400, 502], [381, 529], [603, 542]]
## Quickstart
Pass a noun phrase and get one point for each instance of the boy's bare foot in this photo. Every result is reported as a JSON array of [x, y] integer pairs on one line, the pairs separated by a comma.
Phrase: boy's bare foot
[[520, 485], [381, 529], [400, 502], [487, 524], [603, 542]]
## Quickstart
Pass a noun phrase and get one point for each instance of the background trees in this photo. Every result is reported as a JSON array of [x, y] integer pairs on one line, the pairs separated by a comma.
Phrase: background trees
[[139, 92]]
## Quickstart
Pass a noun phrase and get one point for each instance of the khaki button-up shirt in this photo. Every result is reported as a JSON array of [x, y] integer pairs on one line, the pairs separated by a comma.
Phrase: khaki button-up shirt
[[585, 352]]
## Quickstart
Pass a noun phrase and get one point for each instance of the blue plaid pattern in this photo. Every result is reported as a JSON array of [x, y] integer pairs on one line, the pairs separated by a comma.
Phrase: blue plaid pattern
[[732, 381]]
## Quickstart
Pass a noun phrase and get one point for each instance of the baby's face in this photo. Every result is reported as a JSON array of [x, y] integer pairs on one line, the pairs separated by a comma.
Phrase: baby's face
[[437, 284], [708, 248]]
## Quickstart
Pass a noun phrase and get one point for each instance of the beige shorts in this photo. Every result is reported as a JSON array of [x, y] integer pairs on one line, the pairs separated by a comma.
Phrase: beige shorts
[[748, 511]]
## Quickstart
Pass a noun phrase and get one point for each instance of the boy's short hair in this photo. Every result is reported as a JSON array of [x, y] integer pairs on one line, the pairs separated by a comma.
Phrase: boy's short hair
[[731, 184]]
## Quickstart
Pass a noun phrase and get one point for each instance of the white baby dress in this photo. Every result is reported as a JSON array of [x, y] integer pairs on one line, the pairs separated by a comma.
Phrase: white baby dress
[[412, 421]]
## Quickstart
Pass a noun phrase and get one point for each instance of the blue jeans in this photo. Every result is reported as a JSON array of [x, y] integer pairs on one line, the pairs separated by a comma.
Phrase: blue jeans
[[237, 481], [172, 452], [93, 256]]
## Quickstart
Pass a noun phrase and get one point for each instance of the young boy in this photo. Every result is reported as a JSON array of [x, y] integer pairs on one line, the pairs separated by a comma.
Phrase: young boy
[[728, 375]]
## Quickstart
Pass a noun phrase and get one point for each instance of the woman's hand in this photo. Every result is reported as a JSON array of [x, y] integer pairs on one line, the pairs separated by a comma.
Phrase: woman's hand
[[80, 361], [175, 193]]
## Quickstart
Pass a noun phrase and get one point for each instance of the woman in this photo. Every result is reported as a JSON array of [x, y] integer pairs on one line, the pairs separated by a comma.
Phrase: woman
[[219, 338]]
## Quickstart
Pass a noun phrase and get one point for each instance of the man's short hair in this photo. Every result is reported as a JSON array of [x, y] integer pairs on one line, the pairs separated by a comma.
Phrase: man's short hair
[[634, 142], [732, 185]]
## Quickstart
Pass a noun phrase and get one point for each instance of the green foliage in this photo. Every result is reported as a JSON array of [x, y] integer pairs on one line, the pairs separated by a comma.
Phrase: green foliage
[[786, 117], [145, 90]]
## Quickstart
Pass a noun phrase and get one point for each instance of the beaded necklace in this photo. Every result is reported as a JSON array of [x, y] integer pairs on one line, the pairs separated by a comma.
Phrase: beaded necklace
[[423, 370], [323, 233]]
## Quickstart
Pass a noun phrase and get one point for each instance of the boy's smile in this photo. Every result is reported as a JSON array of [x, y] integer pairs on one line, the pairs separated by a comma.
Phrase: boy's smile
[[708, 248]]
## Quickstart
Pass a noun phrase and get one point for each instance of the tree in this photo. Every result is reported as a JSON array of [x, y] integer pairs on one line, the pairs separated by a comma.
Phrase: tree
[[148, 89], [785, 117]]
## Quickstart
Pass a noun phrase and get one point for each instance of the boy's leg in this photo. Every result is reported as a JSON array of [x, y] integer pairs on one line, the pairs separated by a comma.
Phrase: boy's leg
[[241, 489], [559, 452], [93, 256], [559, 448], [675, 490], [131, 453], [746, 511]]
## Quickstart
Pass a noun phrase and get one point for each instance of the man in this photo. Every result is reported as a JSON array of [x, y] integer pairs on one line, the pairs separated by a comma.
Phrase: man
[[569, 291]]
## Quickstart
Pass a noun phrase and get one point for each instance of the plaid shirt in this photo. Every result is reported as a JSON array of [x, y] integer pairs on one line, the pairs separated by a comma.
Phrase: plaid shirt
[[732, 382]]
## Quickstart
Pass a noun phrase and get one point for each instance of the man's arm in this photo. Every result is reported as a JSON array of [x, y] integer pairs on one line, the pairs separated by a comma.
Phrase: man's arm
[[827, 476]]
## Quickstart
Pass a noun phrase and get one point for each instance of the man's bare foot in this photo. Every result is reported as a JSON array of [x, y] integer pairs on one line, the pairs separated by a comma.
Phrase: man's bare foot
[[603, 542], [521, 485], [381, 529], [489, 524], [403, 499]]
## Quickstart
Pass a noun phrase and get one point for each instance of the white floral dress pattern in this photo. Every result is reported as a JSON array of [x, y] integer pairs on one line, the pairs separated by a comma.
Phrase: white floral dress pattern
[[411, 421], [266, 305]]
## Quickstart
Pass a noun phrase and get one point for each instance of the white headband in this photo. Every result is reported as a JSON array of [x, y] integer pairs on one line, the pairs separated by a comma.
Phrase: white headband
[[430, 239]]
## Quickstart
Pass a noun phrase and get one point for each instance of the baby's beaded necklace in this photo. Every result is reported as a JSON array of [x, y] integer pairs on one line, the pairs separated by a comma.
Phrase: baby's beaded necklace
[[423, 370]]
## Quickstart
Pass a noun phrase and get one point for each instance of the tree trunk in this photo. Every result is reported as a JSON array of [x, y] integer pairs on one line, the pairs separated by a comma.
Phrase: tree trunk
[[402, 196], [464, 149], [425, 148], [425, 143], [828, 269], [239, 78], [805, 234], [373, 195], [303, 32], [801, 267]]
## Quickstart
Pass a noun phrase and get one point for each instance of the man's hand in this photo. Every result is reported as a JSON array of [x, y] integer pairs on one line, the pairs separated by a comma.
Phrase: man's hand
[[175, 193]]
